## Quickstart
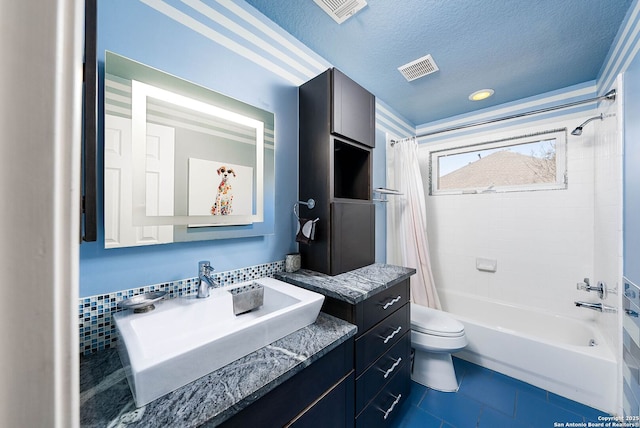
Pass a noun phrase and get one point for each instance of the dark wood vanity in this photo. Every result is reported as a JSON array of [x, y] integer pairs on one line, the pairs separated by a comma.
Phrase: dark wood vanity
[[337, 135], [319, 396], [375, 298], [382, 352]]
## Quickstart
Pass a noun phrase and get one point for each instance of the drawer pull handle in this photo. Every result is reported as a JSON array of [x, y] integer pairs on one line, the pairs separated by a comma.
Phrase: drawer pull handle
[[392, 368], [392, 335], [631, 313], [393, 405], [396, 300]]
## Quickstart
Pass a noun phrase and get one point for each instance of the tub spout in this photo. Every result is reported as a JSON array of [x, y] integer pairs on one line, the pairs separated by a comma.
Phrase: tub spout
[[596, 307]]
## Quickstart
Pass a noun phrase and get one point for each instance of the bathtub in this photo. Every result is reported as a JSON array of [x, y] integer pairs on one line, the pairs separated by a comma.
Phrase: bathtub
[[549, 351]]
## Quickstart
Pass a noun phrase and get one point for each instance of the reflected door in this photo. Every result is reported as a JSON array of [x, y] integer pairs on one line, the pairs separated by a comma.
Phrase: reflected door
[[118, 218]]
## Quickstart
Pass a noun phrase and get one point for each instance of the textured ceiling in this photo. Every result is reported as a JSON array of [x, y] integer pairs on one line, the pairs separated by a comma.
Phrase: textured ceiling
[[520, 48]]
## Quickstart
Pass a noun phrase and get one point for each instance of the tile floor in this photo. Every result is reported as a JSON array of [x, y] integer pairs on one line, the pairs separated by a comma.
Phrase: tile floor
[[488, 399]]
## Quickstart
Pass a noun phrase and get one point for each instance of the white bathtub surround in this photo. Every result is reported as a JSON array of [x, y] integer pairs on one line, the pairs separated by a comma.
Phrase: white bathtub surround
[[407, 240], [549, 351], [541, 241], [544, 242]]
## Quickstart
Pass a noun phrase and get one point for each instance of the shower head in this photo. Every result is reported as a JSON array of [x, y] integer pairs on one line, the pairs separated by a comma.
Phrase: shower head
[[578, 130]]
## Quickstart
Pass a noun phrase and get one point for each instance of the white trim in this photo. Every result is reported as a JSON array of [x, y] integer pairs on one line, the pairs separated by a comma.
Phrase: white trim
[[227, 23], [400, 121], [506, 110], [39, 254], [209, 33], [242, 13], [67, 116], [381, 120], [619, 51]]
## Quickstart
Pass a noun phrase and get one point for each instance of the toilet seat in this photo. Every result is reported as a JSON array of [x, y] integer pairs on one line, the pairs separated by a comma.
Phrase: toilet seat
[[434, 322]]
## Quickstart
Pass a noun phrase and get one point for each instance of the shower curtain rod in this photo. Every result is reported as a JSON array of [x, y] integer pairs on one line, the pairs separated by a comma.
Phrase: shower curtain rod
[[611, 95]]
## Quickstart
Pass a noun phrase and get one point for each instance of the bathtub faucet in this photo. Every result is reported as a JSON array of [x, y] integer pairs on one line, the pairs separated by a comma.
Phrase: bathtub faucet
[[596, 307], [600, 287]]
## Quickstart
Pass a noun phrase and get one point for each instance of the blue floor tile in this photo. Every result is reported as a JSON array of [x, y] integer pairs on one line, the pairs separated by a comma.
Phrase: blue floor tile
[[541, 413], [491, 391], [522, 386], [414, 417], [589, 413], [490, 418], [416, 394], [488, 399], [456, 409]]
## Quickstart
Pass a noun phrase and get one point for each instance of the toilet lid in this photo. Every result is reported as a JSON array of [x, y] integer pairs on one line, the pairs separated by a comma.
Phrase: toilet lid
[[434, 322]]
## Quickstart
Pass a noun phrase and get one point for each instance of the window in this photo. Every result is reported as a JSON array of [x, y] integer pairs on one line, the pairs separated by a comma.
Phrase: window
[[529, 162]]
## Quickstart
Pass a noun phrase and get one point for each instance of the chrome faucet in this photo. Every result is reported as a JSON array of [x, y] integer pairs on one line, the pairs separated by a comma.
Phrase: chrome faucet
[[596, 307], [600, 288], [206, 281]]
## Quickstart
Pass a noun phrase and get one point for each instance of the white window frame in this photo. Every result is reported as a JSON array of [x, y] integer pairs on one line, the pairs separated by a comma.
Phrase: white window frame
[[561, 183]]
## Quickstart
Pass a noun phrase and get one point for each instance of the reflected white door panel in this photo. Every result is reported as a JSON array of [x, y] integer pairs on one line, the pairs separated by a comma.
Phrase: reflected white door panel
[[118, 219]]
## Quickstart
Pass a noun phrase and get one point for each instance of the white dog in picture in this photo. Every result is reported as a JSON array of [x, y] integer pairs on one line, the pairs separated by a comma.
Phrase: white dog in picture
[[223, 204]]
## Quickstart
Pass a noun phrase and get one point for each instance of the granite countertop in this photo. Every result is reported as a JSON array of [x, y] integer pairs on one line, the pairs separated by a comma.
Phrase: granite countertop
[[106, 400], [351, 287]]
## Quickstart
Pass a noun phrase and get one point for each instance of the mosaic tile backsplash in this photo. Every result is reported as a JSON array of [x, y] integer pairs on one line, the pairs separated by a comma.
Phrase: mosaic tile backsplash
[[97, 332]]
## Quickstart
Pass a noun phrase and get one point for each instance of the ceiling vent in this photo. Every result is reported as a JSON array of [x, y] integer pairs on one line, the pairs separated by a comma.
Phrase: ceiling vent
[[341, 10], [418, 68]]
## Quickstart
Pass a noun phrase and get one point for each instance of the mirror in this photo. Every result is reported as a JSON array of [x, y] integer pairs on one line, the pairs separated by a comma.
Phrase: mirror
[[182, 162]]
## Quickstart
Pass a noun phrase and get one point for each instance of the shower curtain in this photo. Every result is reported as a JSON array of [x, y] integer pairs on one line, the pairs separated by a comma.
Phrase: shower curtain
[[407, 243]]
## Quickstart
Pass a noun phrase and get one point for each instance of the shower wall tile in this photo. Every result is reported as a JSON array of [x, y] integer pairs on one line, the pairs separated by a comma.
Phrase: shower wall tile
[[543, 241], [95, 323]]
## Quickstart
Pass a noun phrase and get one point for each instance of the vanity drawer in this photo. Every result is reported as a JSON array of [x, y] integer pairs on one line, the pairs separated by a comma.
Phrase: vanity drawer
[[381, 305], [382, 371], [381, 338], [384, 408]]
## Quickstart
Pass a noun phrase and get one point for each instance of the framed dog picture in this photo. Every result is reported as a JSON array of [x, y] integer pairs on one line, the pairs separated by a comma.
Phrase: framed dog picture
[[219, 188]]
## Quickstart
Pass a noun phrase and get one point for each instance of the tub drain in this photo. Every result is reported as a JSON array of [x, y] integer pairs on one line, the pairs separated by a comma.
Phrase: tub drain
[[592, 342]]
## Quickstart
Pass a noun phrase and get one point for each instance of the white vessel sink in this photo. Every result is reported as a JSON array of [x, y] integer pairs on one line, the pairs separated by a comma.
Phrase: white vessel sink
[[186, 338]]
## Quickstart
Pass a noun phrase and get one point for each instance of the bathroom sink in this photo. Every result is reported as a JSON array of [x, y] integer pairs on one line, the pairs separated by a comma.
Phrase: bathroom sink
[[186, 338]]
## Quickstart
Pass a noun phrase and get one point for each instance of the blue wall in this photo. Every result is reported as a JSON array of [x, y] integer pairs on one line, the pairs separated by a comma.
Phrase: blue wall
[[232, 49], [140, 32]]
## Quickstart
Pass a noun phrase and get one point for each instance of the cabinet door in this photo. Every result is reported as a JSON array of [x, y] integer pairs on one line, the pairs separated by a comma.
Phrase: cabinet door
[[384, 409], [382, 370], [353, 110], [352, 235], [334, 409]]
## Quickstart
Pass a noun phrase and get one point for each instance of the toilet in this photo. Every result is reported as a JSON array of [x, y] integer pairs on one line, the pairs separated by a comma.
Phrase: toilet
[[434, 336]]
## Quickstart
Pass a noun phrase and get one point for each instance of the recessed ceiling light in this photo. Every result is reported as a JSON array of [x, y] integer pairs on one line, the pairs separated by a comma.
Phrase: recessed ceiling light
[[481, 94]]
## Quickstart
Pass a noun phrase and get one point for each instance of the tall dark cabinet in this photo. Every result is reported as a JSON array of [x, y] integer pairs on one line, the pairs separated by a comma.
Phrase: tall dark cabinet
[[337, 136]]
